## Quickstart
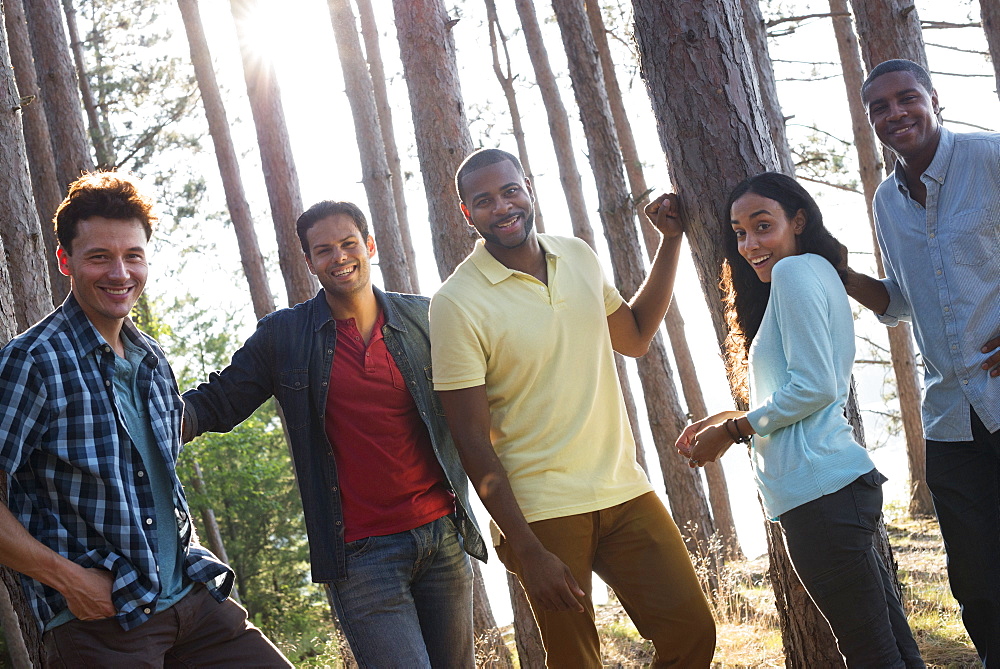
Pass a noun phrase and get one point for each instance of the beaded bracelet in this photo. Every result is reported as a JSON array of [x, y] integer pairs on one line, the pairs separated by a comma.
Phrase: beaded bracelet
[[739, 438]]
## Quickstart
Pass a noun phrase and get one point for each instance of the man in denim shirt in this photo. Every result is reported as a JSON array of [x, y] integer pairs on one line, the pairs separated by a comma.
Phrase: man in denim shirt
[[384, 493], [90, 422], [938, 229]]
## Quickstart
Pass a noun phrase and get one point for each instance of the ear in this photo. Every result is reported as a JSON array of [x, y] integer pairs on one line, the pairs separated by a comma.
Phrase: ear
[[465, 212], [799, 221], [370, 244], [527, 187], [935, 105], [63, 257]]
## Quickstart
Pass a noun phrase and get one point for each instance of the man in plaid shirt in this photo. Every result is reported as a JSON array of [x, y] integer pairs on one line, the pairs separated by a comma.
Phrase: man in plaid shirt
[[98, 525]]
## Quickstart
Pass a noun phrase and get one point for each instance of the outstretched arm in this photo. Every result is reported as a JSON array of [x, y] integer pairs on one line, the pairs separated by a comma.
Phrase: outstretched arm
[[867, 291], [634, 324], [546, 578]]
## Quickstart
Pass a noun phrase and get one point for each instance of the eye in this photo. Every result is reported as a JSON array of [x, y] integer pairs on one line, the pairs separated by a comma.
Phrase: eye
[[513, 190], [740, 234]]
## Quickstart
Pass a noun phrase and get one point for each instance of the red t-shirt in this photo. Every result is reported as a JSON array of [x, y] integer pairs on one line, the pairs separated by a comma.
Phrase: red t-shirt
[[390, 480]]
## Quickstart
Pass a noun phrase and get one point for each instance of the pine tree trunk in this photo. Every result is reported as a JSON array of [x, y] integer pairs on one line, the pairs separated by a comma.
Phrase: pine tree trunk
[[530, 651], [375, 176], [666, 417], [38, 142], [718, 491], [900, 338], [427, 48], [989, 11], [280, 175], [491, 651], [105, 156], [373, 55], [559, 127], [229, 167], [704, 93], [59, 90], [506, 79]]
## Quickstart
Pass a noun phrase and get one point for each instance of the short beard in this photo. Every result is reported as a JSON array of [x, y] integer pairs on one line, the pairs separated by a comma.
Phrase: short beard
[[529, 224]]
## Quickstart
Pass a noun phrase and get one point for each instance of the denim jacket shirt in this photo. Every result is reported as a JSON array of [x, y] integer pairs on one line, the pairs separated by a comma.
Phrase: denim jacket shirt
[[289, 357]]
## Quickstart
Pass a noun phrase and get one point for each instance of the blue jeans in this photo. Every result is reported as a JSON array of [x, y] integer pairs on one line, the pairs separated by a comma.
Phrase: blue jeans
[[830, 545], [964, 478], [407, 599]]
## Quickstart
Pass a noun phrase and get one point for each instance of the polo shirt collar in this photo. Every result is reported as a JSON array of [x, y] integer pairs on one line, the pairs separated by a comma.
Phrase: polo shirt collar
[[938, 168], [494, 270]]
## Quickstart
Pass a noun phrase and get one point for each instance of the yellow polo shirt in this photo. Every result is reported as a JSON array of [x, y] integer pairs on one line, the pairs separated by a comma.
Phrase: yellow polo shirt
[[558, 421]]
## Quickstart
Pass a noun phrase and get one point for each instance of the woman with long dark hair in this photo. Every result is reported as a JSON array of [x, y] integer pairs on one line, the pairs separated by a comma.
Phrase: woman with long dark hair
[[791, 343]]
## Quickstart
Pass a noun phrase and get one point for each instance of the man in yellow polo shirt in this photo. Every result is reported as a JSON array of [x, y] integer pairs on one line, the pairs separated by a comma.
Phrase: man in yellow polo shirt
[[523, 337]]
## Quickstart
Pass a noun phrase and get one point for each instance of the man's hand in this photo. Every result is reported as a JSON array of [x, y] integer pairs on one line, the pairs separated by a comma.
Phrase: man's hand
[[664, 215], [549, 582], [89, 594], [706, 440], [992, 363]]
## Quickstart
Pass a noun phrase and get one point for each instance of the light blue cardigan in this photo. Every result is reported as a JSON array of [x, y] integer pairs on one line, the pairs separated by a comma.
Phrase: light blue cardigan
[[800, 373]]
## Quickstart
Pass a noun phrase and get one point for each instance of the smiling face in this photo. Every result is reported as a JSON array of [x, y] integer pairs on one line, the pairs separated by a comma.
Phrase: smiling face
[[107, 268], [764, 232], [339, 256], [904, 115], [497, 202]]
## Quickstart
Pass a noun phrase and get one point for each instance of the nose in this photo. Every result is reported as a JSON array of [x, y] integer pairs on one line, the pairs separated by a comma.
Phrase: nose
[[502, 205], [896, 111], [749, 242], [117, 270]]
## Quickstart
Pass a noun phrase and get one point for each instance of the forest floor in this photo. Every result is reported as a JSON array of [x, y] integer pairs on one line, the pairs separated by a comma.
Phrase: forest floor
[[748, 633]]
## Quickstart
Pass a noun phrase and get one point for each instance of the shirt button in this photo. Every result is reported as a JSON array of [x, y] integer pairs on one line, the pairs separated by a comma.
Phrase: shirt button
[[324, 384], [938, 272], [947, 309], [106, 382], [147, 610], [338, 523], [141, 474], [149, 521], [334, 488], [932, 235], [107, 349], [965, 381]]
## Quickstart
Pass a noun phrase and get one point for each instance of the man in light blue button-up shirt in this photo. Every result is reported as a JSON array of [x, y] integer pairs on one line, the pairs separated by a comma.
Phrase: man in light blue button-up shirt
[[937, 220]]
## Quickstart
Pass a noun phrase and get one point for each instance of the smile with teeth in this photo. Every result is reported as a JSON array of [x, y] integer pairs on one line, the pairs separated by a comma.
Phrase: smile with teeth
[[759, 260], [345, 271], [117, 291], [509, 222]]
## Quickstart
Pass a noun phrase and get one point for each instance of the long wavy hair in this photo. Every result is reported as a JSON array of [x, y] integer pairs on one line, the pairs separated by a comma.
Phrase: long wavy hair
[[745, 296]]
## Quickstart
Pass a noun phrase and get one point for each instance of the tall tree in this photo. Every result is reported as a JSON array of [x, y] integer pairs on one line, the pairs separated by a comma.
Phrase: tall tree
[[889, 29], [15, 202], [376, 177], [38, 141], [694, 60], [666, 417], [989, 11], [105, 156], [280, 175], [900, 338], [59, 90], [506, 78], [718, 491], [229, 167], [427, 49]]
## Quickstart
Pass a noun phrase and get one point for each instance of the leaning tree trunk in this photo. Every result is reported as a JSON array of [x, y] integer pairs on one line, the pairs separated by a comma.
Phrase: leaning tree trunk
[[666, 417], [989, 11], [900, 340], [15, 203], [229, 167], [427, 48], [59, 90], [559, 128], [718, 491], [527, 638], [373, 55], [105, 156], [280, 175], [38, 142], [375, 173], [704, 93], [505, 77]]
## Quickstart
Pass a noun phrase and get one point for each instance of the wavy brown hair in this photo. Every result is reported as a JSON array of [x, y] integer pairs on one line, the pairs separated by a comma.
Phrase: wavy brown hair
[[745, 296]]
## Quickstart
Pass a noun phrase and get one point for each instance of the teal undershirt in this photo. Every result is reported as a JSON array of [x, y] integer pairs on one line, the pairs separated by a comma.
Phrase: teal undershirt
[[135, 413]]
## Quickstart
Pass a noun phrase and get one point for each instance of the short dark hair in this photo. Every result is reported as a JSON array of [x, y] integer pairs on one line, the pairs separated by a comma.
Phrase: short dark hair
[[482, 158], [898, 65], [326, 209], [106, 194]]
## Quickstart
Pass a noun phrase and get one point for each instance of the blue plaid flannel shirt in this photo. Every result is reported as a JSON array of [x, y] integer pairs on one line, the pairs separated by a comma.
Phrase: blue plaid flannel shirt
[[74, 479]]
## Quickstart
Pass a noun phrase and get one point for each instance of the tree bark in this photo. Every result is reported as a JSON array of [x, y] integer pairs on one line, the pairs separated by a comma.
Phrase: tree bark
[[59, 90], [280, 175], [105, 156], [373, 55], [704, 92], [375, 175], [229, 167], [989, 11], [506, 79], [530, 651], [718, 491], [38, 142], [900, 340], [889, 29], [559, 128], [491, 651], [15, 203], [666, 417], [427, 48]]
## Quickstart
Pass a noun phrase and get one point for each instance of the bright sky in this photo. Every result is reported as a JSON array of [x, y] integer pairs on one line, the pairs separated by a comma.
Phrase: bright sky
[[299, 38]]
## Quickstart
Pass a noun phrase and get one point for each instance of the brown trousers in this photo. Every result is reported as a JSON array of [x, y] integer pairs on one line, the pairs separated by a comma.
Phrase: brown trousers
[[636, 549], [197, 631]]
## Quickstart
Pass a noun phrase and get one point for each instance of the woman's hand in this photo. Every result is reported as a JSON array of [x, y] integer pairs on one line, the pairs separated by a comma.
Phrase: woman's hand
[[707, 439]]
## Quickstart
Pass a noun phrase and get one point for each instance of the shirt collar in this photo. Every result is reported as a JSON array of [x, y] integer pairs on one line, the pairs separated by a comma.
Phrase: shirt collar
[[494, 270], [319, 311], [939, 165], [87, 339]]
